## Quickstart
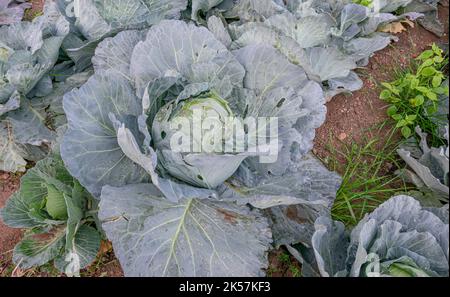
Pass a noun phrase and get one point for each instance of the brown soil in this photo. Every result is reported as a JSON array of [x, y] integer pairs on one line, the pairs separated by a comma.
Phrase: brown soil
[[106, 264], [8, 185], [110, 269], [350, 116], [8, 237], [37, 6], [282, 264]]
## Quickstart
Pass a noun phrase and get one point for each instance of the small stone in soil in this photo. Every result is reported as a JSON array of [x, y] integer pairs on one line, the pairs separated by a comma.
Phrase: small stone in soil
[[342, 136]]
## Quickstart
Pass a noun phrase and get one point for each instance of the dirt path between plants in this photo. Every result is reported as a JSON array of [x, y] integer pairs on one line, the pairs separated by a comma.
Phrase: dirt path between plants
[[348, 116]]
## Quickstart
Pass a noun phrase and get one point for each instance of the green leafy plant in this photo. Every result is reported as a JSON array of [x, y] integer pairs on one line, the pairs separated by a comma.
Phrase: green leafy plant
[[58, 218], [414, 97]]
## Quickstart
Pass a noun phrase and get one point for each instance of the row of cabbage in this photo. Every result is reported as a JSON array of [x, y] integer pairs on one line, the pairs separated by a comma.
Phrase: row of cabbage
[[91, 88]]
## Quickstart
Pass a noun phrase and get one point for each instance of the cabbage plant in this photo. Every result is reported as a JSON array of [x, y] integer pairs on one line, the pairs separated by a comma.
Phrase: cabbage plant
[[329, 39], [12, 11], [28, 52], [91, 21], [176, 213], [56, 212], [429, 8], [399, 239], [33, 79]]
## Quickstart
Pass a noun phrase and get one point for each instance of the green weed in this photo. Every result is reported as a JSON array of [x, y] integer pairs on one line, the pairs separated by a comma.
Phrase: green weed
[[414, 96], [368, 174]]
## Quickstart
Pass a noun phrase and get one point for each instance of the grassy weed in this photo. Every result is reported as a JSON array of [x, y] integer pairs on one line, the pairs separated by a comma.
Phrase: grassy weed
[[367, 167]]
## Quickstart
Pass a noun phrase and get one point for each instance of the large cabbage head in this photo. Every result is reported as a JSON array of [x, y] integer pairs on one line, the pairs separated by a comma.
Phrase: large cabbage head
[[400, 238], [124, 122], [211, 166]]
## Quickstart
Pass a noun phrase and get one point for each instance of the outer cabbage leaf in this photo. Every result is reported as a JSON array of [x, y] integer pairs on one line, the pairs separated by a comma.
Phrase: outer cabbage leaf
[[363, 47], [430, 21], [302, 8], [81, 250], [38, 249], [92, 138], [28, 125], [12, 104], [307, 32], [192, 53], [330, 243], [52, 104], [113, 54], [430, 168], [312, 185], [14, 154], [154, 237], [217, 27], [251, 10], [389, 6], [292, 201], [11, 159], [351, 16], [282, 89], [336, 86], [328, 63]]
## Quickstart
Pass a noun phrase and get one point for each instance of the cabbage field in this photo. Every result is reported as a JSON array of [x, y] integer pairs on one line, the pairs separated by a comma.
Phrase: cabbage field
[[224, 138]]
